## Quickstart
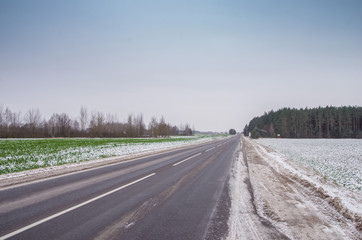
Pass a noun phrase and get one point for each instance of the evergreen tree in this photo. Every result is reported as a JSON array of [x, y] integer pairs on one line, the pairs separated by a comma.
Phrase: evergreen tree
[[328, 122]]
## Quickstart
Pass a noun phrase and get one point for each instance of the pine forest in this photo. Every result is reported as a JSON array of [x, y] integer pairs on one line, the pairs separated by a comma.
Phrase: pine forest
[[322, 122]]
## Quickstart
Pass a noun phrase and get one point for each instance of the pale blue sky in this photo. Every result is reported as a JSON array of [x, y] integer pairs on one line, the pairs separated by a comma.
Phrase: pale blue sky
[[213, 64]]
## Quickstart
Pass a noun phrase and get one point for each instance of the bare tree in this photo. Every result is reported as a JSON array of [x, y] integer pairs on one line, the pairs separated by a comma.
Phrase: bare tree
[[52, 126], [187, 130], [130, 126], [2, 121], [33, 118], [93, 124], [64, 124], [60, 125], [174, 131], [12, 124], [83, 118], [139, 125], [2, 115], [75, 125], [110, 127], [163, 128], [100, 123], [153, 127], [32, 121], [97, 124], [11, 119]]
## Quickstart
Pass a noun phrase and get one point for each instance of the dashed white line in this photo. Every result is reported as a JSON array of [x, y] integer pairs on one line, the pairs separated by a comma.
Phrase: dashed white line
[[186, 159], [72, 208], [209, 149]]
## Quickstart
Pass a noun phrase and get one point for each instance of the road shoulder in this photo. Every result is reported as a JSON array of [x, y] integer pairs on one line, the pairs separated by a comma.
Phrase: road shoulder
[[244, 221], [292, 204]]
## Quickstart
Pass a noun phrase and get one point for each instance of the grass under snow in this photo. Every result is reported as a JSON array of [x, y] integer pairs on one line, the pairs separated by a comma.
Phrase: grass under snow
[[336, 159], [24, 154]]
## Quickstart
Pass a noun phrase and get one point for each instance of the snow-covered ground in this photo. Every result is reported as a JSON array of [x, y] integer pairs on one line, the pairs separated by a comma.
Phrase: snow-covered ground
[[337, 159], [275, 197], [244, 223]]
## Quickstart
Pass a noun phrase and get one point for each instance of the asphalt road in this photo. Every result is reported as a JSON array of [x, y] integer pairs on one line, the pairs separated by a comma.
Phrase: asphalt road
[[181, 194]]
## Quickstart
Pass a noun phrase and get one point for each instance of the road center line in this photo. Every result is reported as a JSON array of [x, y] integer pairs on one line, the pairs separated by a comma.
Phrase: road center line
[[209, 149], [72, 208], [186, 159]]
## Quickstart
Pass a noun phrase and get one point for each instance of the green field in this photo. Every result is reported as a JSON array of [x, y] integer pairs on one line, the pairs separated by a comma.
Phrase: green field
[[24, 154]]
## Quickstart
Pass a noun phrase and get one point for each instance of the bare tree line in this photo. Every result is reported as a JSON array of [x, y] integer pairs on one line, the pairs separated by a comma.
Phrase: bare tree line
[[94, 124]]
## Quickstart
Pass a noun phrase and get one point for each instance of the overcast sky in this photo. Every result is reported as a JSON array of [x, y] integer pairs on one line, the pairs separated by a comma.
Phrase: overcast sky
[[213, 64]]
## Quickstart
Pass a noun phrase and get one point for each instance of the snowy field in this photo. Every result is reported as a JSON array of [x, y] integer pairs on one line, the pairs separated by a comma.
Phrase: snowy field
[[23, 154], [337, 159], [269, 188]]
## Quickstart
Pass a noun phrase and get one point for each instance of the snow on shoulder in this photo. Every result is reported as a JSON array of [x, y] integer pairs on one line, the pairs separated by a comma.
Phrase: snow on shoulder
[[294, 200]]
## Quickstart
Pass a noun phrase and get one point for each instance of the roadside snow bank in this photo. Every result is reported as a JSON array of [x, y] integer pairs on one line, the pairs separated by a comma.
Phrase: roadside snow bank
[[299, 202], [334, 157], [243, 223]]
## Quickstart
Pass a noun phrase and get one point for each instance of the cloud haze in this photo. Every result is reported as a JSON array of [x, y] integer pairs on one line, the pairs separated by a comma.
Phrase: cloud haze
[[213, 64]]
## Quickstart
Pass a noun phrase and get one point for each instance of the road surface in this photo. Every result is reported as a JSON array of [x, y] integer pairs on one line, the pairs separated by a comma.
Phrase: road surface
[[181, 194]]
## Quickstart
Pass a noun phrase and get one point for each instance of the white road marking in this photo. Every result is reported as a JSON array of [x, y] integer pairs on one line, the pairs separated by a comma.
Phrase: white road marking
[[186, 159], [72, 208], [209, 149]]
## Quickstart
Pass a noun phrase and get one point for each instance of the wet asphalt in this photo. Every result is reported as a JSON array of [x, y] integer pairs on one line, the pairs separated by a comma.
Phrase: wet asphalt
[[181, 194]]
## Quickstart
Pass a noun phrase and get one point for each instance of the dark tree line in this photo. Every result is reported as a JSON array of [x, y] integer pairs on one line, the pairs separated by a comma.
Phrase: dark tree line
[[327, 122], [232, 131], [95, 124]]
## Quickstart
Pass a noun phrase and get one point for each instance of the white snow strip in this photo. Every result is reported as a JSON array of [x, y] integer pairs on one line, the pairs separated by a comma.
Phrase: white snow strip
[[243, 223]]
